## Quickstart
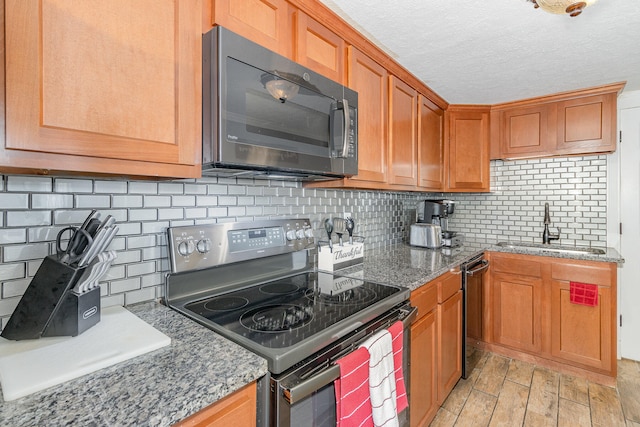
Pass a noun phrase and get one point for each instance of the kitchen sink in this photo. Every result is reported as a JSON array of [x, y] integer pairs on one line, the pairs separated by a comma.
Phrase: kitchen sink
[[552, 248]]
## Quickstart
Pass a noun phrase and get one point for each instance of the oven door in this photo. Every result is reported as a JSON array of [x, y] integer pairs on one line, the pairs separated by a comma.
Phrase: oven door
[[305, 395]]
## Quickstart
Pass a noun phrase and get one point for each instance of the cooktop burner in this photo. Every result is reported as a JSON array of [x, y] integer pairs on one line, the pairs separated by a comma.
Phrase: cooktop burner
[[277, 318], [225, 303], [279, 288], [305, 303]]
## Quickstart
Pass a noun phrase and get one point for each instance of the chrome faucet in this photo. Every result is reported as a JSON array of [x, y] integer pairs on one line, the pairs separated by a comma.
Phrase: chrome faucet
[[547, 237]]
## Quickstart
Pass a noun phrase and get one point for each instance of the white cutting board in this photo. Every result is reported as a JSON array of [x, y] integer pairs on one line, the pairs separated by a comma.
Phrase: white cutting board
[[32, 365]]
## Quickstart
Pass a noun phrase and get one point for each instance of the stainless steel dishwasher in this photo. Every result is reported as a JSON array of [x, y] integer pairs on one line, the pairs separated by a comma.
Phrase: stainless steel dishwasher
[[472, 302]]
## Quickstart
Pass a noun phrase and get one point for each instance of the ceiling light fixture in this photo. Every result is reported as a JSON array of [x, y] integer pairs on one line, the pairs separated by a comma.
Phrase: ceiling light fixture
[[571, 7]]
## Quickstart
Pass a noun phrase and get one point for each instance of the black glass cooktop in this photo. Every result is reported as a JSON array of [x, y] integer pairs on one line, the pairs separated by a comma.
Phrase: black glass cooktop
[[287, 311]]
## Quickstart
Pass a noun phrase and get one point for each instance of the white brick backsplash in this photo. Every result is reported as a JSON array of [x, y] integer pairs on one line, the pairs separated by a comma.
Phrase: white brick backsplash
[[143, 214], [25, 252], [143, 187], [119, 286], [183, 201], [574, 187], [51, 201], [12, 271], [141, 268], [15, 288], [126, 201], [29, 183], [14, 201], [13, 235], [110, 187], [93, 202], [28, 218], [63, 185]]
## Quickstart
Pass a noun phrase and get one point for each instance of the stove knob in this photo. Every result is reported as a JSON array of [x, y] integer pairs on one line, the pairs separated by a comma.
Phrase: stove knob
[[300, 234], [308, 233], [291, 235], [204, 246], [186, 248]]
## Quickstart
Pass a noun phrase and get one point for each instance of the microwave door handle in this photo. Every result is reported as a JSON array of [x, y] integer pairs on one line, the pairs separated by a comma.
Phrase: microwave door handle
[[347, 127]]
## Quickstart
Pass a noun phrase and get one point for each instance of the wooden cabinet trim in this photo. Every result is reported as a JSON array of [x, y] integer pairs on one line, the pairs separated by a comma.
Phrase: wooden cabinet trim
[[237, 408], [425, 298]]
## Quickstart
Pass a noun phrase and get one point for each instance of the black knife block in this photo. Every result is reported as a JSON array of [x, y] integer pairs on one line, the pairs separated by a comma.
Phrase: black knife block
[[50, 308]]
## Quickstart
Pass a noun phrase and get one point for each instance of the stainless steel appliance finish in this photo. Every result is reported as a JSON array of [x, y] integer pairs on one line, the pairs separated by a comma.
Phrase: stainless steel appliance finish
[[255, 284], [426, 235], [438, 212], [266, 116], [472, 303]]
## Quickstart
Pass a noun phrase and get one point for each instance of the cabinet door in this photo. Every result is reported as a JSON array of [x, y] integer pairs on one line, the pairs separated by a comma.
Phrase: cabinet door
[[369, 79], [319, 48], [237, 409], [449, 345], [266, 22], [423, 383], [587, 124], [583, 334], [526, 131], [103, 87], [403, 101], [468, 150], [517, 311], [430, 145], [579, 333]]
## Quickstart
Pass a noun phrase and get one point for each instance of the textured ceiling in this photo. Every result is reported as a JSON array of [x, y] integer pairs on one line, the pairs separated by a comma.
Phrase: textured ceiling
[[493, 51]]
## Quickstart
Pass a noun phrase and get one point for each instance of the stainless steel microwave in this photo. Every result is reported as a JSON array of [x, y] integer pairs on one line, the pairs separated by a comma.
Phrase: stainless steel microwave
[[267, 116]]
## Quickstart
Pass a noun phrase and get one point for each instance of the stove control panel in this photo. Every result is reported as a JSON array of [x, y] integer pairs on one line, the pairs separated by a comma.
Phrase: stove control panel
[[197, 247]]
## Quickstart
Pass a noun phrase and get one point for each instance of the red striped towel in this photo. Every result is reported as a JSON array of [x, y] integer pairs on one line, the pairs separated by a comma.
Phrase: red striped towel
[[396, 330], [583, 293], [382, 380], [353, 404]]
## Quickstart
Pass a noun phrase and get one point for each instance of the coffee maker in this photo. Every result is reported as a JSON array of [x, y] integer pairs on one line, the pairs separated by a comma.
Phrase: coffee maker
[[438, 212]]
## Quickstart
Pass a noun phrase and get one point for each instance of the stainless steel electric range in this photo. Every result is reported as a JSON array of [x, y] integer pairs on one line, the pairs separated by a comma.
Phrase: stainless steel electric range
[[255, 283]]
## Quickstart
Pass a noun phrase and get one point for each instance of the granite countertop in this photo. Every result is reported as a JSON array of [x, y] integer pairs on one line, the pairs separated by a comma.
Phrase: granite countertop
[[200, 367], [156, 389], [412, 267]]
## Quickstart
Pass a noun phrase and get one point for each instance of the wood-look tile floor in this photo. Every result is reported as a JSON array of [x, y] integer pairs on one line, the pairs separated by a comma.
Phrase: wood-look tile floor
[[505, 392]]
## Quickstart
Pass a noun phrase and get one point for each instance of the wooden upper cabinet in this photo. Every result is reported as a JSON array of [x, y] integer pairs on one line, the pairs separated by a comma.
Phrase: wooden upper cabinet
[[526, 130], [370, 80], [103, 87], [568, 123], [403, 164], [318, 48], [587, 124], [468, 148], [430, 145], [266, 22]]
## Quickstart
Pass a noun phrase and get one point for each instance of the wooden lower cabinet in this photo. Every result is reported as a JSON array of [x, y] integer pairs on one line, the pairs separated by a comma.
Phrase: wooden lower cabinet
[[532, 313], [517, 302], [582, 334], [424, 405], [436, 346], [237, 409], [449, 344]]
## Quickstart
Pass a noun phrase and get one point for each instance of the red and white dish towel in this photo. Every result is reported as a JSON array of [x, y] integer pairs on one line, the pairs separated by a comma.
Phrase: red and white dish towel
[[353, 405], [382, 379], [371, 389], [397, 339]]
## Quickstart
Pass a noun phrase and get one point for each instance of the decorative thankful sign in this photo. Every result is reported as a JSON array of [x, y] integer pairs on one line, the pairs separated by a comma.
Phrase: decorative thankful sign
[[340, 256]]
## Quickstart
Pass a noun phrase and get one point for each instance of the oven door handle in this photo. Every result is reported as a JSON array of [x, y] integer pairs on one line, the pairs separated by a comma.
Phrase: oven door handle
[[331, 373]]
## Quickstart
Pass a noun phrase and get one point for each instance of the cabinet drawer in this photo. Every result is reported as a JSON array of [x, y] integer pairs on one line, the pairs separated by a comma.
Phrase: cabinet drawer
[[511, 264], [597, 274], [448, 286], [425, 298]]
